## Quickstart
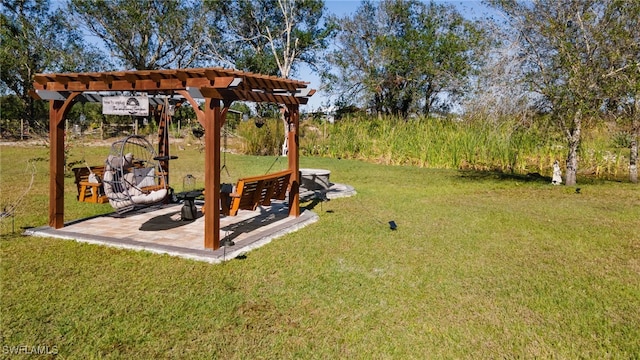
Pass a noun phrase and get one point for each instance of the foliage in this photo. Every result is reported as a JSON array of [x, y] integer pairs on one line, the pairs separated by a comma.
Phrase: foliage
[[567, 50], [144, 35], [399, 56], [509, 146], [269, 36], [12, 115], [37, 39], [481, 266], [622, 60], [261, 137], [621, 139]]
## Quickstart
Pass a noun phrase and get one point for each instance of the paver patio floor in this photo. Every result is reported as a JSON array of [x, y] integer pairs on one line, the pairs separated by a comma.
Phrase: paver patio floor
[[160, 229]]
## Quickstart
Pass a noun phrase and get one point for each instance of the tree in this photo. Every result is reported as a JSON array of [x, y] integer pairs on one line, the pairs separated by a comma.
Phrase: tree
[[144, 34], [565, 52], [404, 55], [37, 39], [272, 37], [621, 60]]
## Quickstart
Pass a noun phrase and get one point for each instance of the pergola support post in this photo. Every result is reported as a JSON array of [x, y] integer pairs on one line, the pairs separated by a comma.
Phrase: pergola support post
[[294, 159], [161, 117], [213, 119], [57, 112]]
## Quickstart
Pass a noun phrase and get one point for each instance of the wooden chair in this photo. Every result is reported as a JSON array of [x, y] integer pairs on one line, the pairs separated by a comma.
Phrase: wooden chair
[[88, 191]]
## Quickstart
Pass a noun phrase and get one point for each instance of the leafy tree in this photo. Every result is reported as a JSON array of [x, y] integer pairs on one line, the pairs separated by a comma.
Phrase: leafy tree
[[621, 60], [564, 44], [404, 55], [144, 34], [270, 37], [35, 39]]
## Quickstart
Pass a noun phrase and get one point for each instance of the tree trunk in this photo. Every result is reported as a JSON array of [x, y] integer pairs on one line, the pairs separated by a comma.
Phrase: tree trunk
[[573, 138], [635, 134], [285, 144], [284, 116]]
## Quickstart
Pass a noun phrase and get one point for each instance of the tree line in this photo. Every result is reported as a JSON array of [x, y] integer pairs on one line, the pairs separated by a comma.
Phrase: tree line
[[572, 63]]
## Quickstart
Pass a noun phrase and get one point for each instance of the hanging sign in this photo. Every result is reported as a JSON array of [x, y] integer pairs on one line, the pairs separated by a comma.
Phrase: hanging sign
[[125, 105]]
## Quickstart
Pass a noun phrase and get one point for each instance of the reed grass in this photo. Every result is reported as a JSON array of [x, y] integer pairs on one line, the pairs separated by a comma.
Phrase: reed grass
[[462, 143], [264, 140]]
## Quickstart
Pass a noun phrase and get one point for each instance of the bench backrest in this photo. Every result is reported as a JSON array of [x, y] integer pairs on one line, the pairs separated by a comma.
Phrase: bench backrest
[[259, 190], [82, 173]]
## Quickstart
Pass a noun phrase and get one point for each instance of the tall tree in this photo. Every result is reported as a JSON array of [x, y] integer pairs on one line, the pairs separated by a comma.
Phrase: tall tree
[[564, 52], [621, 61], [36, 38], [271, 37], [406, 55], [144, 34]]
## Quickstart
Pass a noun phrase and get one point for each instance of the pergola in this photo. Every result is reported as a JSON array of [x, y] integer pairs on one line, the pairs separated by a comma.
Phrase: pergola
[[218, 87]]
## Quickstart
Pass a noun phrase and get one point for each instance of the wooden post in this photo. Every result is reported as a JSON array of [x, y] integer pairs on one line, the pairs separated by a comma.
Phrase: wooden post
[[211, 119], [294, 161], [56, 165], [57, 111], [162, 120], [212, 124]]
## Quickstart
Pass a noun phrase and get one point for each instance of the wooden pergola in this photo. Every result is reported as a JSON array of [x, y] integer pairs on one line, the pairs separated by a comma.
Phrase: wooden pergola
[[218, 87]]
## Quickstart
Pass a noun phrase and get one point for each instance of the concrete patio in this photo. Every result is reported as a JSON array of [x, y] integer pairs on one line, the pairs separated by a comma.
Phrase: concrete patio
[[160, 229]]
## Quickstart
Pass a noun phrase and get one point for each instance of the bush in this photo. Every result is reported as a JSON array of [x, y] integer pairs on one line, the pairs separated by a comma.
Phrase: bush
[[621, 139]]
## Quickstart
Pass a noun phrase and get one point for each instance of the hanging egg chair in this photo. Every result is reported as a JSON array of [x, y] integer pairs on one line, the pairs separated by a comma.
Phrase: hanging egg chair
[[133, 178]]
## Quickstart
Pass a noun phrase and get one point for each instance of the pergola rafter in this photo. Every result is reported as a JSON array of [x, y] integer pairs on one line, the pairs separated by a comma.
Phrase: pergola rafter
[[218, 87], [211, 82]]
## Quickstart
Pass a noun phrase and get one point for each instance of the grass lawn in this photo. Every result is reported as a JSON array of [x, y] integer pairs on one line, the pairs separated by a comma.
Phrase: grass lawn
[[482, 265]]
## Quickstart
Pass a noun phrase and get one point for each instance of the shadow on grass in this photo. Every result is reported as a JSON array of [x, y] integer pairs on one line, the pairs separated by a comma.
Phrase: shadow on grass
[[310, 205], [493, 175], [476, 175]]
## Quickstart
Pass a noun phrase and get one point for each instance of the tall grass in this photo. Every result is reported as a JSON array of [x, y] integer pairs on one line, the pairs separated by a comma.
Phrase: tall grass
[[508, 146], [264, 140]]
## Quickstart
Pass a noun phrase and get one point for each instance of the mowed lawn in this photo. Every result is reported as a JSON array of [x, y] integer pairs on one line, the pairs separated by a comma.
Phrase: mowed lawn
[[482, 265]]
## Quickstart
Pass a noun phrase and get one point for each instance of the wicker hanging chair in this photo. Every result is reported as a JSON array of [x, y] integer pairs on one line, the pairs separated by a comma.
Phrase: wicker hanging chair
[[132, 177]]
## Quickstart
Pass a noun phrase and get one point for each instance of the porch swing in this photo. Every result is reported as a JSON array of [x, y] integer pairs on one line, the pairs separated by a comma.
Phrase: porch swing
[[132, 176], [251, 192]]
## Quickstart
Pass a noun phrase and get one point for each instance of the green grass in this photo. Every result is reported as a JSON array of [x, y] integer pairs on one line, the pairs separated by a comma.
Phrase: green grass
[[483, 265]]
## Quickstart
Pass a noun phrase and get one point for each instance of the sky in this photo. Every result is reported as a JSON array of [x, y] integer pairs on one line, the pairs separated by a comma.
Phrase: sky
[[468, 8]]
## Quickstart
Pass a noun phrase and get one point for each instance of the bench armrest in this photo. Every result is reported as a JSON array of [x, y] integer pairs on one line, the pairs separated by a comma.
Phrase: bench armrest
[[92, 184]]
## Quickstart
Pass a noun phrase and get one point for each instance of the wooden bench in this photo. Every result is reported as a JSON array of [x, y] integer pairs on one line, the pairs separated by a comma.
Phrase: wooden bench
[[90, 192], [254, 191]]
